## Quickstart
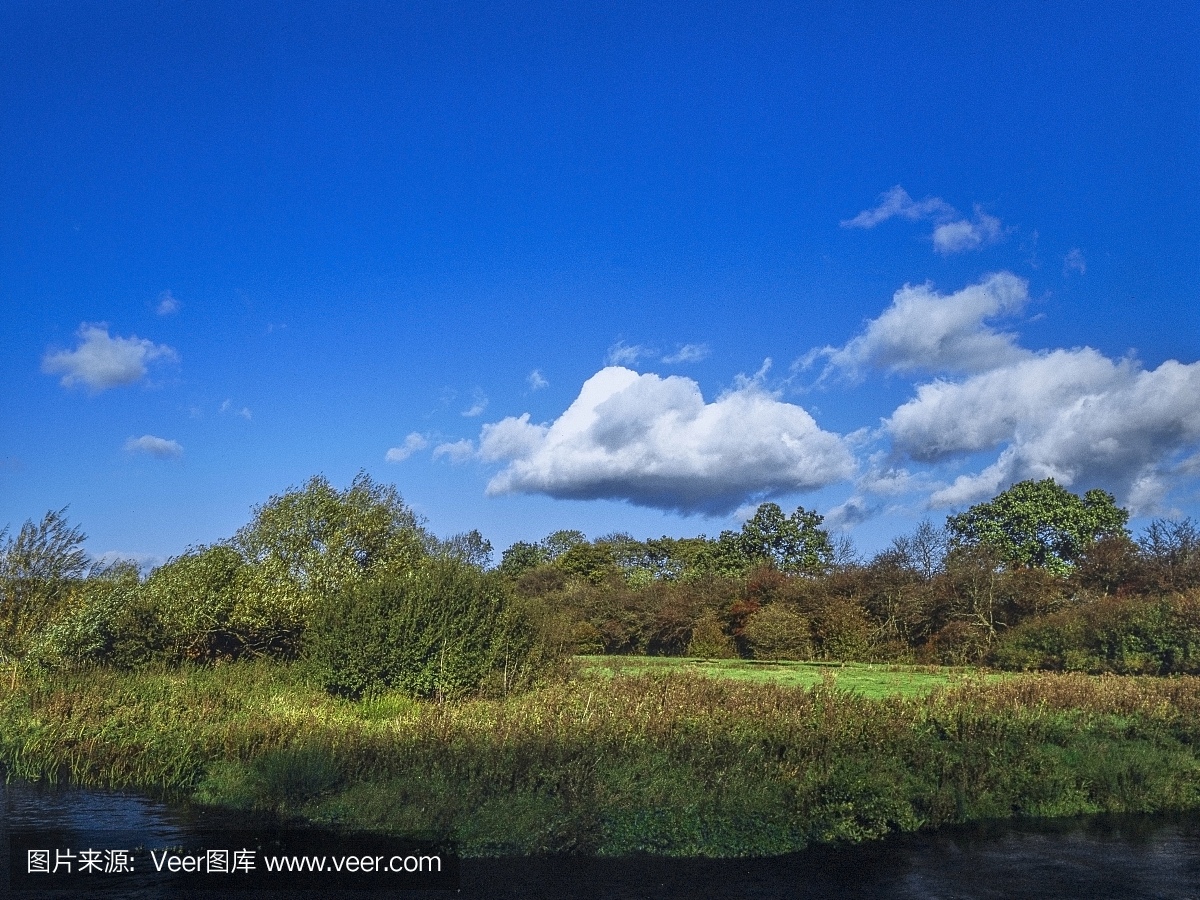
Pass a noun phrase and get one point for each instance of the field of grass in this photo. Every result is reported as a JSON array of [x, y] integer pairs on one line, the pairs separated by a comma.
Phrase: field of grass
[[661, 761], [868, 679]]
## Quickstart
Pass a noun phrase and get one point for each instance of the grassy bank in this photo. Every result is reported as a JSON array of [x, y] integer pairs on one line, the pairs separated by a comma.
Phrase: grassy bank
[[620, 763]]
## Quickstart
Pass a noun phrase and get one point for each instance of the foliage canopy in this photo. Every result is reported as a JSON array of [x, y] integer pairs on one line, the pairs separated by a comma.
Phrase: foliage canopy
[[1039, 524]]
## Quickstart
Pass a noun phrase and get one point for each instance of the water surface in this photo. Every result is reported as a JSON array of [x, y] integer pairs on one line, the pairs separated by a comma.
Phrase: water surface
[[1096, 858]]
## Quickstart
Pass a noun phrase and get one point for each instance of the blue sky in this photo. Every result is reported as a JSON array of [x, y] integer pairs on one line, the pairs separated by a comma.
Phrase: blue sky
[[529, 262]]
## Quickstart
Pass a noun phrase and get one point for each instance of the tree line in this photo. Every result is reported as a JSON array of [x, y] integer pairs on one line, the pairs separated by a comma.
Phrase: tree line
[[352, 583]]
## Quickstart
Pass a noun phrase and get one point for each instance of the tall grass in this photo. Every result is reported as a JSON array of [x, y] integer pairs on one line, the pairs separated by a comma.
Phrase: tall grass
[[670, 764]]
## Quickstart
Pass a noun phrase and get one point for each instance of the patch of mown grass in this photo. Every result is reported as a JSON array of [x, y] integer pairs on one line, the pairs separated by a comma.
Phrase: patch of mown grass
[[868, 679], [661, 762]]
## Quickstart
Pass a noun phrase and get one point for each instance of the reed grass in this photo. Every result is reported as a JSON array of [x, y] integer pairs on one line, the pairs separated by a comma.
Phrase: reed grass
[[667, 763]]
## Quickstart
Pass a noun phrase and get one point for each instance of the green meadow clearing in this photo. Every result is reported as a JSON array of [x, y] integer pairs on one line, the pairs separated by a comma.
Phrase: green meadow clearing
[[867, 679]]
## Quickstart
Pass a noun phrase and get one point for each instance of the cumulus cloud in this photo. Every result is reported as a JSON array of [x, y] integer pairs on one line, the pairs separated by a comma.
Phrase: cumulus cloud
[[688, 353], [952, 233], [1074, 262], [537, 380], [411, 445], [622, 354], [101, 361], [1072, 415], [997, 413], [655, 442], [150, 445], [168, 304], [926, 331], [456, 452]]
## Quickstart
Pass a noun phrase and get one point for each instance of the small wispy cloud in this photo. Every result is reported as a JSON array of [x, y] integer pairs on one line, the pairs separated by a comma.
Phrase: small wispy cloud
[[537, 380], [1074, 262], [688, 353], [897, 202], [456, 452], [623, 354], [479, 403], [414, 442], [101, 361], [168, 304], [952, 233], [244, 412], [150, 445], [964, 234]]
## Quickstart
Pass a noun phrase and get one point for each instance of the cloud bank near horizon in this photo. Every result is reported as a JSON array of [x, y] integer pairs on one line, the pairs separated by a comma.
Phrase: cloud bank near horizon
[[1074, 415]]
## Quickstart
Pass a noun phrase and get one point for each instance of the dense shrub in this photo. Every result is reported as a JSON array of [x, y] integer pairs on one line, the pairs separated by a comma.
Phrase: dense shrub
[[1136, 635], [93, 625], [443, 630], [710, 641], [779, 632]]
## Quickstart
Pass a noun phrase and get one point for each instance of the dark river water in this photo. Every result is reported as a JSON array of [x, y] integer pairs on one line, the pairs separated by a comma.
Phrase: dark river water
[[1126, 857]]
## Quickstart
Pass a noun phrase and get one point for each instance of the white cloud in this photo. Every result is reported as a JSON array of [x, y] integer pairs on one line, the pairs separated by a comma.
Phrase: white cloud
[[688, 353], [1074, 262], [953, 233], [654, 442], [154, 446], [998, 413], [101, 361], [926, 331], [244, 412], [457, 452], [897, 202], [949, 418], [961, 234], [168, 304], [884, 478], [537, 380], [411, 445], [622, 354], [1072, 415], [478, 404]]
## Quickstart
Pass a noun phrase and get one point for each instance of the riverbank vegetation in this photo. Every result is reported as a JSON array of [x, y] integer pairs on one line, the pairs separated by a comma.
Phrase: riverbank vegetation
[[672, 763], [752, 693]]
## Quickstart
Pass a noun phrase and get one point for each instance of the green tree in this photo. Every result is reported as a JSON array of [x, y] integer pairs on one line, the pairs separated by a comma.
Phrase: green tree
[[1039, 524], [315, 540], [520, 558], [38, 568], [794, 544], [558, 543], [469, 546]]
